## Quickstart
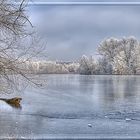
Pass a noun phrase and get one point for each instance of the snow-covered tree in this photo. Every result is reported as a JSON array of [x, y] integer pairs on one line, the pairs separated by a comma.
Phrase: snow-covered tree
[[72, 67], [104, 67], [109, 48], [129, 50], [121, 54], [87, 65], [51, 67]]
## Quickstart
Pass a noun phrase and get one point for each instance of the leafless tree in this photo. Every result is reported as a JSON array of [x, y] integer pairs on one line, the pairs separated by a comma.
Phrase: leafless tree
[[18, 44]]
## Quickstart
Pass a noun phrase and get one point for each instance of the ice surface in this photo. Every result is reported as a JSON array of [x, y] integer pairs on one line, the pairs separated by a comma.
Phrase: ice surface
[[70, 103]]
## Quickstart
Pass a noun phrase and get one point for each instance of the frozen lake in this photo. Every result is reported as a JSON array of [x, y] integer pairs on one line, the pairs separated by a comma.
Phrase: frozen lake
[[76, 106]]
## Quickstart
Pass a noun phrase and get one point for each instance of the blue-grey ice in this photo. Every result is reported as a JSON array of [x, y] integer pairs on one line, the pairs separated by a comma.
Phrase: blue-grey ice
[[74, 106]]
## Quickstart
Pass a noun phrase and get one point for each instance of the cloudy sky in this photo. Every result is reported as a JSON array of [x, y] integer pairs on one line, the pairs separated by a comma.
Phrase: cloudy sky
[[74, 30]]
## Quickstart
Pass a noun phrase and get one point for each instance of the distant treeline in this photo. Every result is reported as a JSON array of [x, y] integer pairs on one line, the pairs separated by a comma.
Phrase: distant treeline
[[115, 56]]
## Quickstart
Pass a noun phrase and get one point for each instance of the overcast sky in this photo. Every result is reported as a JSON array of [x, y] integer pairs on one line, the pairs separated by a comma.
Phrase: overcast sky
[[74, 30]]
